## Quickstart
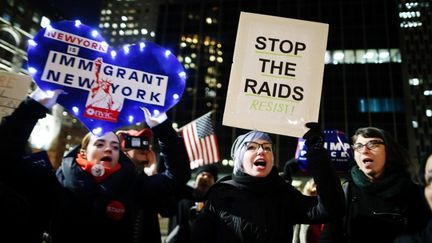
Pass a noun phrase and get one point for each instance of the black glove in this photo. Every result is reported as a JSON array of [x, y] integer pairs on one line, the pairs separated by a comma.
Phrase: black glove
[[314, 137]]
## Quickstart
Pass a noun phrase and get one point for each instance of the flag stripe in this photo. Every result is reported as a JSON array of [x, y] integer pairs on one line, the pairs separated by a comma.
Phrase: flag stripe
[[185, 136], [201, 141]]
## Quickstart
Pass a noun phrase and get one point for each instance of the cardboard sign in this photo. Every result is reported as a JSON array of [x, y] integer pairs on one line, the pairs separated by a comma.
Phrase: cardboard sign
[[13, 89], [338, 147], [276, 76], [105, 89]]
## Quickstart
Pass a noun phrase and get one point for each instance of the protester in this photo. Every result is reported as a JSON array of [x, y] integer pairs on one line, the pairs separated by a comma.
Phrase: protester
[[308, 233], [191, 204], [290, 168], [382, 199], [425, 236], [97, 193], [257, 205], [138, 146]]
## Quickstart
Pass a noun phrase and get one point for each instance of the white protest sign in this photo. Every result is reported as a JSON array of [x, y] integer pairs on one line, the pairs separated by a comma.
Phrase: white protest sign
[[13, 89], [276, 76]]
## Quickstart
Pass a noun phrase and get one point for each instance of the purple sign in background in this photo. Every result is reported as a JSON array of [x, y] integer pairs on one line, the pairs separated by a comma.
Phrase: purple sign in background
[[104, 88], [337, 144]]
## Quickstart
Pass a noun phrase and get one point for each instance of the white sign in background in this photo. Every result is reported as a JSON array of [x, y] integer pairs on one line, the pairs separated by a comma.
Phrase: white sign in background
[[276, 76], [13, 89]]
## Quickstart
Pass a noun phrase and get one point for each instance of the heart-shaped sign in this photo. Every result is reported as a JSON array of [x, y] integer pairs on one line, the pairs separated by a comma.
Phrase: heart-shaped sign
[[105, 89]]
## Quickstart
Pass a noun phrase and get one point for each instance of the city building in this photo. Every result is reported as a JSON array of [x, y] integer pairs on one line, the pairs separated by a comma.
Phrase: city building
[[128, 22], [377, 72], [416, 38], [363, 81]]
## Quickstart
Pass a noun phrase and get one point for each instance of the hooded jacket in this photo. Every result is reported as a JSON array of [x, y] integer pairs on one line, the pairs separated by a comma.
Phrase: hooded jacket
[[122, 208]]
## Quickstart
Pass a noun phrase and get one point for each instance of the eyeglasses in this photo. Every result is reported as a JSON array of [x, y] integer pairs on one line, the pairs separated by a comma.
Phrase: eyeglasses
[[253, 146], [370, 145]]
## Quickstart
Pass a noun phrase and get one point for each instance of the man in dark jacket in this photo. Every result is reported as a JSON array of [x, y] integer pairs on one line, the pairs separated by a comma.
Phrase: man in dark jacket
[[80, 206]]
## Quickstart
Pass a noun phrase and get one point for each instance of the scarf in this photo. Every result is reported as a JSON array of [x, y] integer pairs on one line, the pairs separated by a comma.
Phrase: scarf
[[88, 166], [389, 185], [272, 182]]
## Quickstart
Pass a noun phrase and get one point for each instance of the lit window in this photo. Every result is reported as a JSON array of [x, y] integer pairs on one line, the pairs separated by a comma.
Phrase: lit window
[[360, 56], [395, 55], [349, 56], [338, 57], [36, 18], [379, 105], [384, 55], [414, 81], [371, 56]]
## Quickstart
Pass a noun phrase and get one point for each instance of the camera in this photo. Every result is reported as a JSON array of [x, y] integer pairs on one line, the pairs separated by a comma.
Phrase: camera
[[133, 142]]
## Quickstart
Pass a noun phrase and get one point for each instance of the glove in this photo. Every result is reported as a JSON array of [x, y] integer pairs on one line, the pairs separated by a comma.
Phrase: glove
[[314, 137], [155, 120], [47, 99]]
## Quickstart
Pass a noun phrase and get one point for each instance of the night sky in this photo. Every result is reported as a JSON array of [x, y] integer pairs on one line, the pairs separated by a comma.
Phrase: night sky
[[87, 11]]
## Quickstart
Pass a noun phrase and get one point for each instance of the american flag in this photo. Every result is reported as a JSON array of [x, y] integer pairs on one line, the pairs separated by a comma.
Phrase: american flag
[[201, 141]]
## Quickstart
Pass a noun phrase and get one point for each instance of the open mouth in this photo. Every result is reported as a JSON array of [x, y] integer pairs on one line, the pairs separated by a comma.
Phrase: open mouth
[[260, 163], [106, 159], [367, 161]]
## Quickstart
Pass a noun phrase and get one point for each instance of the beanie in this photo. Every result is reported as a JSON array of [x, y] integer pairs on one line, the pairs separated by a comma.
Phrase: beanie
[[238, 149], [212, 169]]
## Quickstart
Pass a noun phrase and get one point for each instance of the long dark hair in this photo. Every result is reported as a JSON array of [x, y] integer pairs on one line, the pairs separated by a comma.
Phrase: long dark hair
[[397, 157]]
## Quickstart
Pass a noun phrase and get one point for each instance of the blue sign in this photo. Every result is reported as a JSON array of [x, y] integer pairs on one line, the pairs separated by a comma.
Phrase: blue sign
[[338, 147], [104, 88]]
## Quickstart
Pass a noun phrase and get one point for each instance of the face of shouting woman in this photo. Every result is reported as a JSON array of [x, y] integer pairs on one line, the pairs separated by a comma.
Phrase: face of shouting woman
[[258, 158], [370, 156], [104, 150]]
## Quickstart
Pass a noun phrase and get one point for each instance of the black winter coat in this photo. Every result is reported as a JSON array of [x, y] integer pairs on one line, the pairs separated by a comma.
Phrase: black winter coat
[[424, 236], [266, 210], [370, 218], [73, 207]]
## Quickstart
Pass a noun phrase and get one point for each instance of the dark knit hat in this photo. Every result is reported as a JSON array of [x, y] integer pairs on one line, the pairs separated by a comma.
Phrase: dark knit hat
[[238, 149], [212, 169]]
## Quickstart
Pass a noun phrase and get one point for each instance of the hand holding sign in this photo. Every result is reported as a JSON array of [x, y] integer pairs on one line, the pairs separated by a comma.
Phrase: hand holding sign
[[105, 89], [154, 120], [48, 99]]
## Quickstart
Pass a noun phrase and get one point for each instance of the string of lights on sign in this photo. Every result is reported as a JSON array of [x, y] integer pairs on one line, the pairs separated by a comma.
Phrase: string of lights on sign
[[105, 89]]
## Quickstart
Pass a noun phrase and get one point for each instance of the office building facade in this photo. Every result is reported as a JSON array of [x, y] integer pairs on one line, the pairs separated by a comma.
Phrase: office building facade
[[363, 81]]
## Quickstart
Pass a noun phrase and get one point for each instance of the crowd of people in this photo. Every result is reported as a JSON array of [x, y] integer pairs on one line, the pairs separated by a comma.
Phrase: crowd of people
[[114, 187]]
